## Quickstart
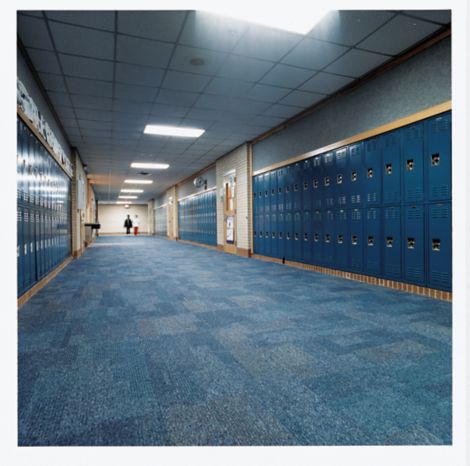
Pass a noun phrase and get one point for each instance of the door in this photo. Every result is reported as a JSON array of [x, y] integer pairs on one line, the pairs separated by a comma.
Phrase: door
[[230, 210]]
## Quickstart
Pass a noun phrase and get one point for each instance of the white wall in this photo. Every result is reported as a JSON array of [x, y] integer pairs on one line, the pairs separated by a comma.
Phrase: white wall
[[112, 216]]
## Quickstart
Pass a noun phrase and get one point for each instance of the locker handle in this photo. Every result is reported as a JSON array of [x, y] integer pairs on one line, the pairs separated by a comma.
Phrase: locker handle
[[388, 169], [305, 236], [305, 186], [315, 183], [327, 181], [410, 164], [273, 192], [280, 235], [340, 239], [354, 240], [296, 236], [279, 190], [370, 241], [287, 235], [411, 243], [254, 233], [296, 187], [435, 160], [436, 244], [353, 176], [339, 178], [273, 235], [327, 238], [315, 237], [389, 242], [287, 189], [370, 173]]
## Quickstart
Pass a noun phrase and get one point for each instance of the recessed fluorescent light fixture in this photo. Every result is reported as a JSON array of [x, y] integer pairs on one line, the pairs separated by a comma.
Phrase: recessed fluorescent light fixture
[[173, 131], [298, 18], [132, 190], [155, 166], [127, 197], [124, 202], [138, 181]]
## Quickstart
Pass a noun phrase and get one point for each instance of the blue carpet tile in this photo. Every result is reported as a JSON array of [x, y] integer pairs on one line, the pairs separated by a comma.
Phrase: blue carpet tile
[[144, 341]]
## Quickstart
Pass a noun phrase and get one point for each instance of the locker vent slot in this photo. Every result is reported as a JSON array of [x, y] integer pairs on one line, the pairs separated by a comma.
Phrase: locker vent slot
[[440, 124], [327, 181], [316, 237], [440, 279], [354, 240], [353, 176], [440, 212], [440, 191], [370, 173], [339, 178], [410, 165], [327, 238], [315, 183], [436, 244], [414, 273], [414, 214], [370, 241], [435, 160], [340, 239], [411, 243], [388, 169], [389, 242]]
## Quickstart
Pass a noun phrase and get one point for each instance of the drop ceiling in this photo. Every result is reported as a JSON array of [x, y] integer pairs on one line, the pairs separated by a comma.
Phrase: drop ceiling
[[109, 73]]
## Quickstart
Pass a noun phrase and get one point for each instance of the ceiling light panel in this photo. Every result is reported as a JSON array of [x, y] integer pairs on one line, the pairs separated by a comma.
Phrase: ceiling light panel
[[138, 181], [178, 131], [155, 166]]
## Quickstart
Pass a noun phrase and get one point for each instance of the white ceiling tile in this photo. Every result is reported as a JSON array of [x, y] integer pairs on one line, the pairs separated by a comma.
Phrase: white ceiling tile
[[266, 93], [229, 87], [356, 63], [266, 121], [64, 112], [92, 124], [89, 87], [266, 43], [325, 83], [211, 60], [132, 107], [143, 51], [301, 99], [92, 114], [245, 68], [136, 74], [36, 13], [204, 114], [53, 82], [284, 111], [180, 98], [69, 122], [398, 34], [86, 67], [439, 16], [349, 27], [211, 32], [313, 54], [86, 101], [82, 41], [179, 81], [44, 61], [33, 32], [286, 76], [59, 98], [136, 93], [158, 25], [95, 19], [169, 110]]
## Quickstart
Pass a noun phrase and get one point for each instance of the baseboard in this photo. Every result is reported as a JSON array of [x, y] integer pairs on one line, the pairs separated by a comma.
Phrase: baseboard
[[243, 252], [194, 243]]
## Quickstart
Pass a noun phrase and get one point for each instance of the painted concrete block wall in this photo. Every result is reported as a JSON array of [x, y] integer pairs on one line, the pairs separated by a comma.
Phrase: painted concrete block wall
[[79, 205], [150, 217], [187, 188], [172, 200], [112, 216], [238, 160]]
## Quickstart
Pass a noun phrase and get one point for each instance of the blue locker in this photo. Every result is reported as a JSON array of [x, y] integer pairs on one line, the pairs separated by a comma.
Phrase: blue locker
[[289, 236], [19, 248], [356, 240], [356, 174], [19, 159], [26, 254], [391, 243], [341, 178], [372, 173], [281, 235], [317, 237], [261, 241], [412, 163], [267, 192], [288, 188], [260, 186], [391, 168], [267, 234], [307, 237], [280, 189], [297, 186], [372, 241], [414, 246], [438, 158], [328, 186], [32, 251], [255, 222], [329, 238], [298, 236], [317, 182], [274, 235], [439, 246], [273, 190], [255, 196], [341, 241], [38, 239], [307, 185]]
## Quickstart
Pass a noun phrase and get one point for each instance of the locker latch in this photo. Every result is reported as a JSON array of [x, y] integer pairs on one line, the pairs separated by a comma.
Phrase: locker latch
[[316, 237], [435, 160], [354, 240], [340, 239], [296, 187], [280, 235], [287, 235], [327, 238], [370, 173], [273, 235], [370, 241], [254, 233], [266, 193], [266, 235], [436, 244], [410, 164], [389, 242], [411, 243], [315, 183], [353, 176], [327, 181], [273, 192], [287, 188], [339, 178], [305, 186], [305, 236], [279, 190], [388, 168], [296, 236]]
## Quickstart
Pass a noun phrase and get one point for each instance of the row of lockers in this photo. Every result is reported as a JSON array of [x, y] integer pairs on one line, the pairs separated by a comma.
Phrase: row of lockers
[[406, 166], [403, 243], [197, 218], [40, 180], [161, 219]]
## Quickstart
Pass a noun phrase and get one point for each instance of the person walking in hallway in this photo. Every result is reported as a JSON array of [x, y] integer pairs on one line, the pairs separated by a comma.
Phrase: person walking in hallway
[[128, 224], [136, 224]]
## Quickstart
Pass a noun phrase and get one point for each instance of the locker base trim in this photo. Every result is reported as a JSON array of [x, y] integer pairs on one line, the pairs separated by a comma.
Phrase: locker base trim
[[407, 287], [195, 243], [25, 297]]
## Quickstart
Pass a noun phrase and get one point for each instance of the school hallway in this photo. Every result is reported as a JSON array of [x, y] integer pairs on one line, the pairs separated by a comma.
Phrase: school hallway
[[146, 341]]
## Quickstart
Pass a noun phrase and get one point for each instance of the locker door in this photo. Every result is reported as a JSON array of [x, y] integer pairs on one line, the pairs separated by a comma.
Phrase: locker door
[[341, 178], [280, 189], [255, 216], [372, 172], [260, 194], [38, 239], [267, 233], [19, 160], [297, 187], [329, 238], [317, 233], [341, 242], [307, 185], [261, 241], [414, 244], [298, 236], [356, 240], [438, 158], [288, 187], [289, 236], [273, 191], [391, 243], [328, 186], [32, 251], [307, 237], [391, 168], [412, 163], [356, 175], [372, 240], [274, 234], [317, 182], [267, 192], [19, 249], [439, 246], [26, 254], [281, 235]]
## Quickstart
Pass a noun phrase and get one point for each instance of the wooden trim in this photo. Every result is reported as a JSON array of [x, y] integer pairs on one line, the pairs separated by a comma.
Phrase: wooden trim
[[194, 243], [41, 139], [443, 33], [243, 252], [160, 206], [220, 247], [197, 194], [250, 196], [25, 297], [407, 287], [421, 115], [78, 253]]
